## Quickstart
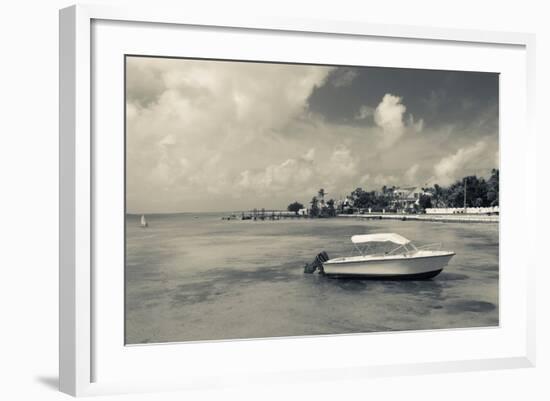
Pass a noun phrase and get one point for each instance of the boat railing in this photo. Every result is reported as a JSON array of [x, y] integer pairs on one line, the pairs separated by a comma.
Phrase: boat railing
[[408, 249]]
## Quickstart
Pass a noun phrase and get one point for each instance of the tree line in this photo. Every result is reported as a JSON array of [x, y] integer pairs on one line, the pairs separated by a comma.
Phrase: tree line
[[480, 192], [318, 207]]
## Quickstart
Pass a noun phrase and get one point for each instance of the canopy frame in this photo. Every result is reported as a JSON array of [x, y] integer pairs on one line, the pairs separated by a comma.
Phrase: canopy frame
[[402, 242]]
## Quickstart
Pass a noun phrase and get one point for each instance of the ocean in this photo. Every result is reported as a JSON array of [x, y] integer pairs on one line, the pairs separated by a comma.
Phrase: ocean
[[196, 277]]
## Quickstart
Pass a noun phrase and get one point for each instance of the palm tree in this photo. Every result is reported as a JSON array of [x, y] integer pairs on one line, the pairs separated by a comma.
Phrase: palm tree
[[314, 212], [322, 194], [331, 209]]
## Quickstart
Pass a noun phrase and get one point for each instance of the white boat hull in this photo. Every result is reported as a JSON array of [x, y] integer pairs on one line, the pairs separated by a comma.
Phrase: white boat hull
[[416, 266]]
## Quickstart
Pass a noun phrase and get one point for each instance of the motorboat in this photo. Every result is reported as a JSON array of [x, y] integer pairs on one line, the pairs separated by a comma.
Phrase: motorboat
[[404, 261]]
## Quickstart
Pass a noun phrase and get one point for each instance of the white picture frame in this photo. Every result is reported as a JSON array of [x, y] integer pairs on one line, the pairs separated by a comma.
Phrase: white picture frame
[[82, 343]]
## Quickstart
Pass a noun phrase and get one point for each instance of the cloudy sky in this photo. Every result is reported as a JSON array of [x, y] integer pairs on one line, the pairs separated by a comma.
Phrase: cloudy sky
[[216, 136]]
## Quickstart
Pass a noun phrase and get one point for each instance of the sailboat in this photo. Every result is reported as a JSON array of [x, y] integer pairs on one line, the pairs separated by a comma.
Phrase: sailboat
[[144, 223]]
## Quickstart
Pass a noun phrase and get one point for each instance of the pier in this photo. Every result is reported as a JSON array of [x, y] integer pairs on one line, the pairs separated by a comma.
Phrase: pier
[[263, 214]]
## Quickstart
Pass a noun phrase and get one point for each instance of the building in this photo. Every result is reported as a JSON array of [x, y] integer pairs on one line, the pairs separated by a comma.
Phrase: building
[[406, 197], [344, 204]]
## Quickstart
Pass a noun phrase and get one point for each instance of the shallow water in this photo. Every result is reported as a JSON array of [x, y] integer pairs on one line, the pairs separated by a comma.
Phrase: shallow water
[[196, 277]]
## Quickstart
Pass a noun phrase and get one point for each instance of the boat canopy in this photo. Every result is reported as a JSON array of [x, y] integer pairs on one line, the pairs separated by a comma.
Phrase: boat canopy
[[390, 237]]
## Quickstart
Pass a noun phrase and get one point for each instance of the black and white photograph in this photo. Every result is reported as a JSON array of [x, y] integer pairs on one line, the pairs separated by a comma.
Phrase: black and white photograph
[[275, 200], [269, 199]]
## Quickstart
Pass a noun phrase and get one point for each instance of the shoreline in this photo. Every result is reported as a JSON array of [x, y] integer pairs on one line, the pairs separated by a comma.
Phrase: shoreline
[[271, 215], [442, 218]]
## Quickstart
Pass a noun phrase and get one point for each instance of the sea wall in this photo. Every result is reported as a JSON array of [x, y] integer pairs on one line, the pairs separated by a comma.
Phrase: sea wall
[[460, 210], [449, 218]]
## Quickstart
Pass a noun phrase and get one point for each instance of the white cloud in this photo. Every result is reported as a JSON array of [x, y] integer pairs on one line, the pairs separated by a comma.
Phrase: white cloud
[[343, 77], [381, 180], [205, 135], [297, 176], [411, 175], [454, 166], [291, 173], [342, 163], [364, 112], [309, 155], [200, 126], [389, 116], [415, 126]]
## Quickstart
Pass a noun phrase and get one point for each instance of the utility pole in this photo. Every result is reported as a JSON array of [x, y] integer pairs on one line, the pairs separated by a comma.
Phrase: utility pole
[[465, 184]]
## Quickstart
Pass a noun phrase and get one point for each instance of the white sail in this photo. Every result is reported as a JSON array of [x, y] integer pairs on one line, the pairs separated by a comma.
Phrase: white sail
[[143, 221]]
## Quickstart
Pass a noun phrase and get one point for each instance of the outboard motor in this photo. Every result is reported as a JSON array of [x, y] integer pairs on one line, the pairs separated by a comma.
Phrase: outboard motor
[[317, 264]]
